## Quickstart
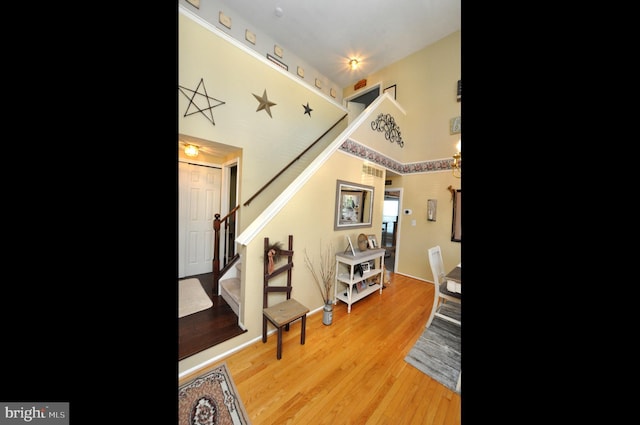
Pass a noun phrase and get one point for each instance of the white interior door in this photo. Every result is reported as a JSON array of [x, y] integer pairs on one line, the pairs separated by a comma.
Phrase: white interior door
[[198, 201]]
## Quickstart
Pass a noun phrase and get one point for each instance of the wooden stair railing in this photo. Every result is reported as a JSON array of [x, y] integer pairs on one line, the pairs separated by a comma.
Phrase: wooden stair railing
[[228, 221], [294, 160]]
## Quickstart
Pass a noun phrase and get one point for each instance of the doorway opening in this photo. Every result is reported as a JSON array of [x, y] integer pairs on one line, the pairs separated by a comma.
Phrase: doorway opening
[[358, 102], [390, 214], [230, 199]]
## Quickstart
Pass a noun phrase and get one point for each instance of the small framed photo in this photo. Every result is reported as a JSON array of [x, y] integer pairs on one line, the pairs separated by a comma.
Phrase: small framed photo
[[350, 247], [372, 243], [391, 90], [366, 267]]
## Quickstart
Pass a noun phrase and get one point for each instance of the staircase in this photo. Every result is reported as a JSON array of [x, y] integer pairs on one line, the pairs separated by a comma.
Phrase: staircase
[[230, 288]]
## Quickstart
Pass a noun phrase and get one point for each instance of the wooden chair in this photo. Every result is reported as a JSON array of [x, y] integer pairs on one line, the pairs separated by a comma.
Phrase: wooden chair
[[450, 311], [447, 305], [281, 315]]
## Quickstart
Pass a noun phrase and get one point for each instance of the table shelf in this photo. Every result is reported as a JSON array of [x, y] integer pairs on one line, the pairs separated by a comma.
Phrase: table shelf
[[346, 279]]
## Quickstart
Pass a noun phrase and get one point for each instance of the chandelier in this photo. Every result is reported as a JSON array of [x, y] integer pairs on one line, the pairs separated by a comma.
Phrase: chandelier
[[457, 160]]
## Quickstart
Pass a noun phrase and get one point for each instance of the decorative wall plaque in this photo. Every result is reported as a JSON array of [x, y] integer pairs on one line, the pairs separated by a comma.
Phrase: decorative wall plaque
[[360, 84]]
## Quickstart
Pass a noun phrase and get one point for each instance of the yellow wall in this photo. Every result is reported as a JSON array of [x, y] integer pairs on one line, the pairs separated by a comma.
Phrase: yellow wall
[[233, 76], [426, 88]]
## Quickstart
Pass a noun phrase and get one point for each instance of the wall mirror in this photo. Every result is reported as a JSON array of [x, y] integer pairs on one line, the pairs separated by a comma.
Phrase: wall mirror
[[354, 205]]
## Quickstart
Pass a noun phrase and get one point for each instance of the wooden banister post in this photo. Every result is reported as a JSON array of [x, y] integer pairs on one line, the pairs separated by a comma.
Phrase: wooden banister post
[[216, 256]]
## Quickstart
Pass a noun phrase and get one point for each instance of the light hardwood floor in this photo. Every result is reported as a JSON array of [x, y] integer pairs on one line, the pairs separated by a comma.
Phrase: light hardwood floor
[[350, 372]]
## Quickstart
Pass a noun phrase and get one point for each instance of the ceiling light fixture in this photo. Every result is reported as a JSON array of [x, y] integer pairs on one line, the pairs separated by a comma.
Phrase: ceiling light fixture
[[191, 150], [457, 160], [353, 63]]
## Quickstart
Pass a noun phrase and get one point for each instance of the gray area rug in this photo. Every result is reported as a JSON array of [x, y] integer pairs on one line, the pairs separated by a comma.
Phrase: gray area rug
[[437, 352]]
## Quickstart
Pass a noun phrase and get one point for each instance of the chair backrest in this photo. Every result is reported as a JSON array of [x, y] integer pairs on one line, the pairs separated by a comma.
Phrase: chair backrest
[[285, 268], [448, 312], [437, 265]]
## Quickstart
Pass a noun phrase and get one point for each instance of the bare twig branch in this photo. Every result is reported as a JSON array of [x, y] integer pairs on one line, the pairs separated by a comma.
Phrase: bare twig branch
[[326, 275]]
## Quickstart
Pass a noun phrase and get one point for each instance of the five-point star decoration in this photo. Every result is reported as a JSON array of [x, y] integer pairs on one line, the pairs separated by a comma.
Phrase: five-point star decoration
[[265, 103], [192, 101], [307, 110]]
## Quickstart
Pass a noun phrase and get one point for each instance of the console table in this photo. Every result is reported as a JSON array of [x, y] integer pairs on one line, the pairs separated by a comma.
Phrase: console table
[[348, 284]]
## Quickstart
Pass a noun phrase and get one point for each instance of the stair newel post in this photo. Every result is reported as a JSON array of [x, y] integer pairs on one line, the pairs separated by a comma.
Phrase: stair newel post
[[216, 256]]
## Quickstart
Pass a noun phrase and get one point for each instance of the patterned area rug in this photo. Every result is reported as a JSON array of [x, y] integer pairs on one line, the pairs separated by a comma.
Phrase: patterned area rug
[[192, 297], [211, 399], [437, 352]]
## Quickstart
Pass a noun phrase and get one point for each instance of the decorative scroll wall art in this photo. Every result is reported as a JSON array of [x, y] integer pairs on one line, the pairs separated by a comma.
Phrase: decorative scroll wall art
[[386, 123]]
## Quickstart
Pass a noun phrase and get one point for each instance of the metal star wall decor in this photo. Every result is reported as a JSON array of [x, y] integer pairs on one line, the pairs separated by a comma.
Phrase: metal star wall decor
[[265, 103], [201, 97], [307, 110]]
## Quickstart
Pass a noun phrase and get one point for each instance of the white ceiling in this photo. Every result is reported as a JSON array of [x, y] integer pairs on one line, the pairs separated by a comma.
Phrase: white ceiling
[[327, 33]]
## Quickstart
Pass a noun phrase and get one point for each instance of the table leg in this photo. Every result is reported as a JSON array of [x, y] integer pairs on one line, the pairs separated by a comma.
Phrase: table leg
[[304, 326], [279, 355], [264, 329]]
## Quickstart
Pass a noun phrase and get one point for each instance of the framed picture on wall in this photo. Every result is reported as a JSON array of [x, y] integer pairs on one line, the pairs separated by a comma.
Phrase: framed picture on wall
[[391, 90]]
